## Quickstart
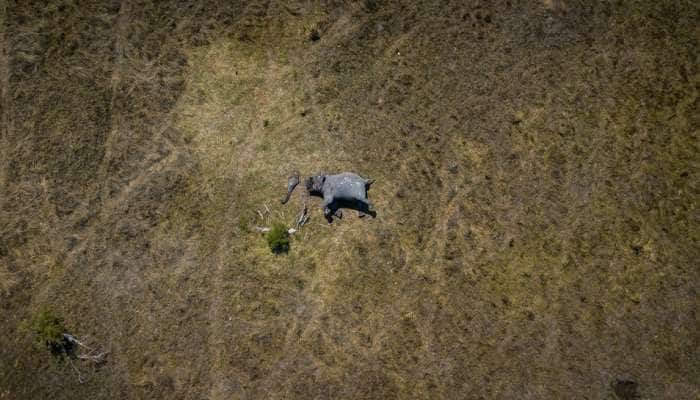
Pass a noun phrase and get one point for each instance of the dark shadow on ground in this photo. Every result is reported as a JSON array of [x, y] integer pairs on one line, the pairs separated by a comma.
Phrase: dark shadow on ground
[[337, 206]]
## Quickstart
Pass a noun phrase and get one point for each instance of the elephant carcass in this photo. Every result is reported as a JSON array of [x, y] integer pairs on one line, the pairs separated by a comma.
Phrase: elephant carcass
[[291, 184], [344, 190]]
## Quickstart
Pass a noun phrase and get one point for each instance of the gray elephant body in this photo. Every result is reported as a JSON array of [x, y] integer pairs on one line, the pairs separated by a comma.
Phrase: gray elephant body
[[346, 189]]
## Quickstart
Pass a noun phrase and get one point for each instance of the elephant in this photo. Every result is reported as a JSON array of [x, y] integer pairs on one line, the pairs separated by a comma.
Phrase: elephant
[[344, 190], [291, 184]]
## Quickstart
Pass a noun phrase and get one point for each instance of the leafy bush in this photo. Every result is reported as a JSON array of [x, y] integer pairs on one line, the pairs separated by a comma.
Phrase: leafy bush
[[314, 35], [278, 238], [372, 6], [48, 332]]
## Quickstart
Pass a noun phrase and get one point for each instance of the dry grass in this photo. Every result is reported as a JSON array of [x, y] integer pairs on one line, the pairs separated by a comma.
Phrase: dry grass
[[536, 170]]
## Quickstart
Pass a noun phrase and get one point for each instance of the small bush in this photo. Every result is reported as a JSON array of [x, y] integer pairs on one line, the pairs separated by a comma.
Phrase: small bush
[[48, 332], [278, 239], [372, 6], [314, 35]]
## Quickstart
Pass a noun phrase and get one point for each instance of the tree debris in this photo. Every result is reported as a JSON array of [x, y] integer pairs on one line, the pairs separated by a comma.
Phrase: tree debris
[[92, 354]]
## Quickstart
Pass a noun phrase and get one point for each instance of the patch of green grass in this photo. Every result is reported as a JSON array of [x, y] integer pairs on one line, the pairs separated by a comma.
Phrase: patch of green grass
[[372, 6], [48, 330], [264, 146], [278, 238]]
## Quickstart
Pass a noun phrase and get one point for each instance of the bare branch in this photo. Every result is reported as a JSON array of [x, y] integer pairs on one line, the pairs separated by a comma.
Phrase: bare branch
[[74, 340], [303, 217], [77, 371], [265, 229], [98, 358]]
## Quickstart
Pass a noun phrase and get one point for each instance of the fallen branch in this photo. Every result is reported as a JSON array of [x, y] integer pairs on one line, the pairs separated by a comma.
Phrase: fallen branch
[[74, 340], [77, 371], [96, 358], [92, 354], [303, 217], [303, 221], [265, 229]]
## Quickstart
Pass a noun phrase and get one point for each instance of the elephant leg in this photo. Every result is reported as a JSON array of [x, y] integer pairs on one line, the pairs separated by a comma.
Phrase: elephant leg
[[326, 206], [366, 204], [366, 207]]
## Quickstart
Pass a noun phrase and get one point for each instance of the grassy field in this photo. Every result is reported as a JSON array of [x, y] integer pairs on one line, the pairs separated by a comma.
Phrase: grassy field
[[536, 167]]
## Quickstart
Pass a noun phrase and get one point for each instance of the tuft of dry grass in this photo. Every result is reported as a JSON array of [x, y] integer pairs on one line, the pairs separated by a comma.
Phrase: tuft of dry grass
[[8, 280]]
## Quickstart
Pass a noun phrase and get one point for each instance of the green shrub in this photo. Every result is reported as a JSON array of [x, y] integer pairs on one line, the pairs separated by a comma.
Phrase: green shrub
[[372, 6], [278, 238], [48, 332]]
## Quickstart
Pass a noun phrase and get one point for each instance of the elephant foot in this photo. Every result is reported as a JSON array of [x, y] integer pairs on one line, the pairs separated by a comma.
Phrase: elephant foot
[[363, 214]]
